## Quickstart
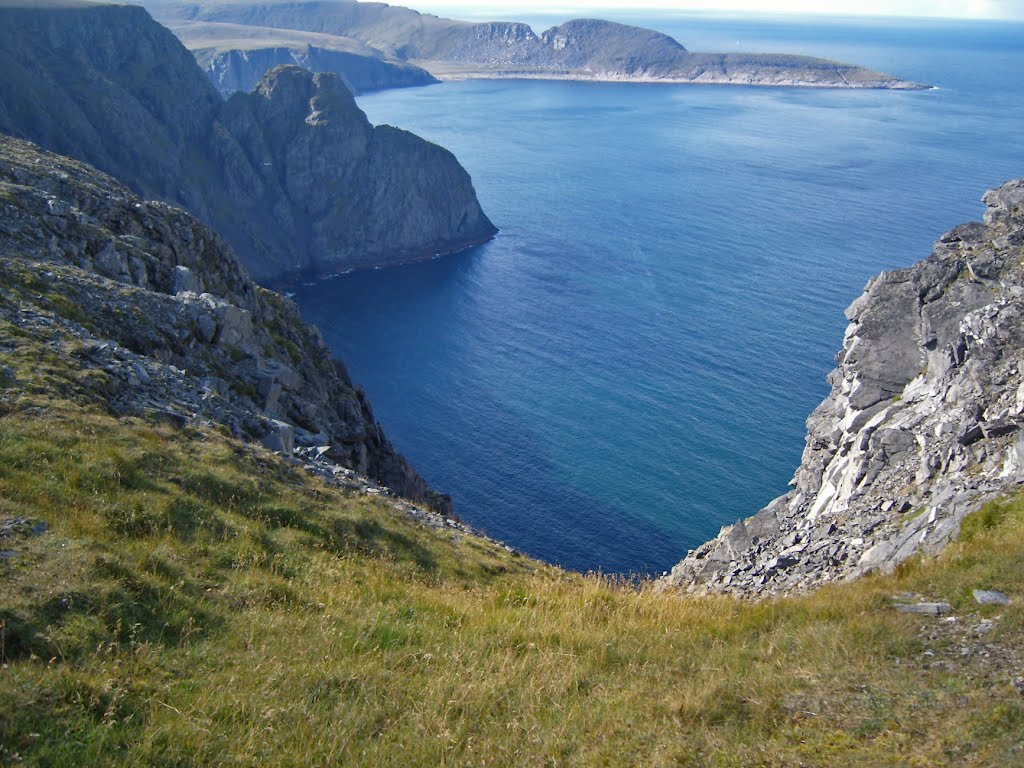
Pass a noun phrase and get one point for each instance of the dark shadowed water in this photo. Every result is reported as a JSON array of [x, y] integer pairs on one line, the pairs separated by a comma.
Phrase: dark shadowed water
[[628, 366]]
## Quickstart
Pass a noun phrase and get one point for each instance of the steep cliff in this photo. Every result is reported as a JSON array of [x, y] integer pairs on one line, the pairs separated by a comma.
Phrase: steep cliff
[[235, 56], [585, 49], [923, 424], [241, 69], [357, 195], [158, 318], [108, 85]]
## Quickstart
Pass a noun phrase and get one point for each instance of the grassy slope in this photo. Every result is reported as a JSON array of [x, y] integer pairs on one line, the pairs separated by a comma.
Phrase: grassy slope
[[197, 602]]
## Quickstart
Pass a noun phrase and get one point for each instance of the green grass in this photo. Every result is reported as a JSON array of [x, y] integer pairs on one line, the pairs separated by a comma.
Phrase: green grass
[[198, 602]]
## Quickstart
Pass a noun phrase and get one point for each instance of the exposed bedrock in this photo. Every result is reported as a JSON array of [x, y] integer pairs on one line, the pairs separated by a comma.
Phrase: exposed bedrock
[[241, 69], [923, 424]]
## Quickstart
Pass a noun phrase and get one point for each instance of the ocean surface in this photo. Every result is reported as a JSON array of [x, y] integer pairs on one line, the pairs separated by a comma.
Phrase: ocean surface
[[628, 366]]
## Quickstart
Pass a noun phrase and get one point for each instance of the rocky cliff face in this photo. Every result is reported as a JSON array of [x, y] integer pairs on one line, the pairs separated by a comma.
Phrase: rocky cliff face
[[160, 318], [356, 195], [108, 85], [923, 424]]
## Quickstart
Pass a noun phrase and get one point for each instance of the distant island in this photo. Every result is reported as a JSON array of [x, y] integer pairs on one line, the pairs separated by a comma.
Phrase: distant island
[[374, 45]]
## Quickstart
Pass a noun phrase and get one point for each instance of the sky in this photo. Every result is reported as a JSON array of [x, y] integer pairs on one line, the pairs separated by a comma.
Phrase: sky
[[960, 9]]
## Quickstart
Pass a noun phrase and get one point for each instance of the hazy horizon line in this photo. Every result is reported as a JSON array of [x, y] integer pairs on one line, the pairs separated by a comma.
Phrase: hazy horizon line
[[1005, 10]]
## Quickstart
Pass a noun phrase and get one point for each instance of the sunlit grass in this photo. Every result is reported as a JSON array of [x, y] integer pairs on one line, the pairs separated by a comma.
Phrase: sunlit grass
[[196, 601]]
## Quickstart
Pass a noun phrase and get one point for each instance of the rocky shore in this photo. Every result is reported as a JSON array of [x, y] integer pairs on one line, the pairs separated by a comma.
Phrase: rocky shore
[[923, 424]]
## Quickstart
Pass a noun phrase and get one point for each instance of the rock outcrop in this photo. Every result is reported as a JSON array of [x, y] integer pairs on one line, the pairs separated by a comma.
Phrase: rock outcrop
[[584, 49], [109, 86], [924, 422], [355, 195], [154, 312]]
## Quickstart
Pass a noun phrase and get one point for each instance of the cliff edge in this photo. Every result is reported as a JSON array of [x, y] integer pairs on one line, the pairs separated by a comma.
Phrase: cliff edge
[[346, 194], [923, 424], [154, 316], [292, 174]]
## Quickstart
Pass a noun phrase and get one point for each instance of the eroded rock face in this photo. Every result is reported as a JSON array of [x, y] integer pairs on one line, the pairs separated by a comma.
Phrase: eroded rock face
[[292, 175], [352, 194], [163, 312], [923, 424]]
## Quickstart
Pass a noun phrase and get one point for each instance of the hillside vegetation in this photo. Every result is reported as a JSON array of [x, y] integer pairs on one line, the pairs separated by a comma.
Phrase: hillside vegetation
[[197, 601]]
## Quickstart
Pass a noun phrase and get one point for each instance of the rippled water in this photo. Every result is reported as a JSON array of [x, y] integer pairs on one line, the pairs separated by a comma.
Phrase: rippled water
[[628, 366]]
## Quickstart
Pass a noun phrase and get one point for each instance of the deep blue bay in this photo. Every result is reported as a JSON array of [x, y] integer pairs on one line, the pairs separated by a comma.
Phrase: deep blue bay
[[629, 365]]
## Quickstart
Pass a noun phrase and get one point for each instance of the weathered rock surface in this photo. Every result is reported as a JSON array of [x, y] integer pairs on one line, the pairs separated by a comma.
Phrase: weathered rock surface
[[109, 86], [923, 424], [991, 597], [356, 195], [587, 49], [164, 319]]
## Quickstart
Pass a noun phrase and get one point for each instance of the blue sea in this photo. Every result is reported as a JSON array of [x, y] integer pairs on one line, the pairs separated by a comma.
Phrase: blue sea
[[628, 366]]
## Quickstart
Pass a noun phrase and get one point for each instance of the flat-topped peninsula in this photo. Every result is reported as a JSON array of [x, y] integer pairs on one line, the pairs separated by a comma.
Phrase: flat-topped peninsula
[[581, 49]]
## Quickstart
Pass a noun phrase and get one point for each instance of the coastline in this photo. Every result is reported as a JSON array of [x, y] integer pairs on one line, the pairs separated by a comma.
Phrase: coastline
[[445, 72], [290, 279]]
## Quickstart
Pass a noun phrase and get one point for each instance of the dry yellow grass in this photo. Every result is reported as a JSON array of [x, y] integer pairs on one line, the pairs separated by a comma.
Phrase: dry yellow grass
[[198, 602]]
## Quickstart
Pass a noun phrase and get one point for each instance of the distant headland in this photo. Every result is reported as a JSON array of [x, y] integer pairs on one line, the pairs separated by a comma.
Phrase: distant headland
[[374, 46]]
